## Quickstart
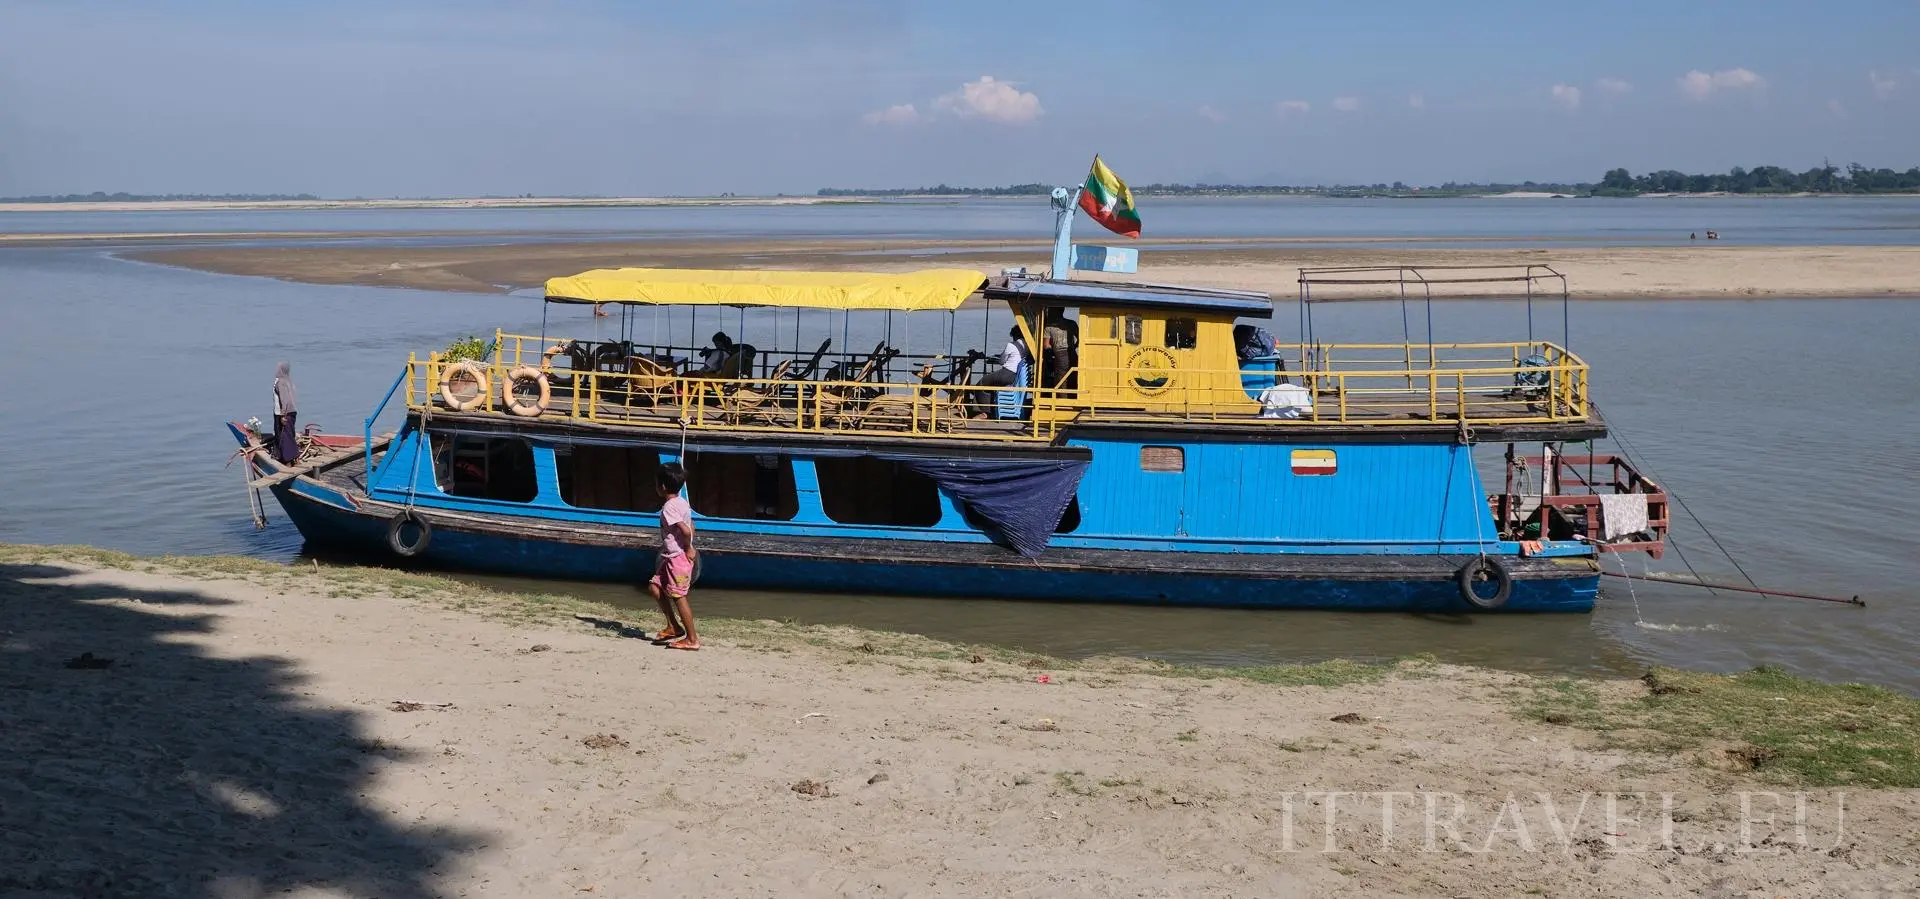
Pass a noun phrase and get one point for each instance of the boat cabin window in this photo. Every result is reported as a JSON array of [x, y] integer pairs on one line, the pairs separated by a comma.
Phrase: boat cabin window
[[742, 485], [1163, 458], [865, 490], [1133, 325], [1182, 333], [619, 478], [485, 467]]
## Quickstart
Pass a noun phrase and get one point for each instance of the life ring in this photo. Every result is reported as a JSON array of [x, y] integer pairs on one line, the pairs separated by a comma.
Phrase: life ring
[[519, 405], [467, 371], [1484, 568], [396, 534]]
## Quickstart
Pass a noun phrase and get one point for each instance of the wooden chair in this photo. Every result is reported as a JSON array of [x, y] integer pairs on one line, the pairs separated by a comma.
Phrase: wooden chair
[[757, 399], [651, 380]]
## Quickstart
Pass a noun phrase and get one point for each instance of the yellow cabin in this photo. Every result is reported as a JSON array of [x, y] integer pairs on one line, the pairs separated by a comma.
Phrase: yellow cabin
[[1140, 348]]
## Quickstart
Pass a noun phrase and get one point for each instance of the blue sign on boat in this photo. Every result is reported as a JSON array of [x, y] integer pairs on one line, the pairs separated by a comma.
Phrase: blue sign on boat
[[1120, 260]]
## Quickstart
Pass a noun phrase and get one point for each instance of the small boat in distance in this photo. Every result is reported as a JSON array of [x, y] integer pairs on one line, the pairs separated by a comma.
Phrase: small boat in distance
[[1135, 442]]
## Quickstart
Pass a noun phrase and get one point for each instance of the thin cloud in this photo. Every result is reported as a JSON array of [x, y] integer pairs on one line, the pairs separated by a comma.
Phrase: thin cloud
[[1287, 109], [1567, 96], [1416, 101], [1212, 115], [1612, 86], [987, 98], [903, 114], [1698, 85], [1883, 85], [1838, 109], [1346, 104]]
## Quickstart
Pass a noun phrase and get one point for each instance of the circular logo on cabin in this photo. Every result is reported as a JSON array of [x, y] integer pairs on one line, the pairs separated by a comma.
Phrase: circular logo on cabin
[[1150, 370]]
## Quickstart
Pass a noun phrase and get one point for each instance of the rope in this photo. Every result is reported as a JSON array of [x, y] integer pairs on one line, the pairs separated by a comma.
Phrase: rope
[[1632, 454]]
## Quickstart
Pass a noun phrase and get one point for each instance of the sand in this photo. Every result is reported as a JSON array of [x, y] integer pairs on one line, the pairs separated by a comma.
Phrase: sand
[[1689, 272], [307, 736]]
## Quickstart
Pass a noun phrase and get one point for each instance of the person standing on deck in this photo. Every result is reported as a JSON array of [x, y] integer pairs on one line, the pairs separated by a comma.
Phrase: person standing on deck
[[673, 574], [286, 447]]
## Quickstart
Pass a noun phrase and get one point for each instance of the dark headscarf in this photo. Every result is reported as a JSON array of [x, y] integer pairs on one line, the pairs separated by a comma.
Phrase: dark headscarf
[[283, 388]]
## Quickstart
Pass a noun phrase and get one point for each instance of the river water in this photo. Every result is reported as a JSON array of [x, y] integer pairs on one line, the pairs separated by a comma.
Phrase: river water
[[1789, 427]]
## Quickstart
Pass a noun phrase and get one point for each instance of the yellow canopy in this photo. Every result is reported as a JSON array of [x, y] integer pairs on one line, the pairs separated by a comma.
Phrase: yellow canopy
[[939, 288]]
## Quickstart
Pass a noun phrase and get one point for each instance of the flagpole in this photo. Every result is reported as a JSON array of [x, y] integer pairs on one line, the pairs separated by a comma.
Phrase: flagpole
[[1064, 203]]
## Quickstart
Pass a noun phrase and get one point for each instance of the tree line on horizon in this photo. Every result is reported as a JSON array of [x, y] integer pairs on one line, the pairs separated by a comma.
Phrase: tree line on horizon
[[1825, 178], [1766, 179]]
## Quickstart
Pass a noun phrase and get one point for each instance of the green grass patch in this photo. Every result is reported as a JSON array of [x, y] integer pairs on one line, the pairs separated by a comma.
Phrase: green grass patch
[[1330, 673], [1778, 726]]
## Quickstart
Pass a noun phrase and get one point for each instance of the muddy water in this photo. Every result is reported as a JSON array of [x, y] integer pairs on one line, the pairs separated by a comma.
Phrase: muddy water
[[1789, 427]]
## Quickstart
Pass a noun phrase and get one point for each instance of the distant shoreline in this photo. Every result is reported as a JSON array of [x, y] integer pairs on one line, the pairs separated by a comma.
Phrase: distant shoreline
[[447, 203], [839, 199]]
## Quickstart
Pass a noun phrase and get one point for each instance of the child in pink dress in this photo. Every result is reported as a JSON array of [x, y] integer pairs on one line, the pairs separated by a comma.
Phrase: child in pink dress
[[673, 574]]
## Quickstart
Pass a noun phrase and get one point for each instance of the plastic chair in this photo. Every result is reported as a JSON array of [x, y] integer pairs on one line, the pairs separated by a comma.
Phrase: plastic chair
[[1009, 404]]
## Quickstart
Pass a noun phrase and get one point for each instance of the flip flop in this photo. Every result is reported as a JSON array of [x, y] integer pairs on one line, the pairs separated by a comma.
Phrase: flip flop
[[663, 638], [683, 644]]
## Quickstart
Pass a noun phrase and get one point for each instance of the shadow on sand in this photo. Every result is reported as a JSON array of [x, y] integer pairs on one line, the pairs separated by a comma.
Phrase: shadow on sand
[[172, 773]]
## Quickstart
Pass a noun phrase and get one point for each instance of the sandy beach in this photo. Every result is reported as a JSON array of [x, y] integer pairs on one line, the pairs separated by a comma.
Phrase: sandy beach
[[1691, 272], [226, 727]]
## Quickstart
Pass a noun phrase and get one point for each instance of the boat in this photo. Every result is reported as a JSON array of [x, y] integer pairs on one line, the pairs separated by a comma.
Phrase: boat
[[1135, 451]]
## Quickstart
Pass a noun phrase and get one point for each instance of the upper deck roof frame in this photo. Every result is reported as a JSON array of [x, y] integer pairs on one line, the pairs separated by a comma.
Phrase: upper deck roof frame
[[1533, 280], [1112, 293]]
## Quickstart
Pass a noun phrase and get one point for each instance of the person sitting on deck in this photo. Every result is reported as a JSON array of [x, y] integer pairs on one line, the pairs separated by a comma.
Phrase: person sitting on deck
[[715, 357], [1013, 363]]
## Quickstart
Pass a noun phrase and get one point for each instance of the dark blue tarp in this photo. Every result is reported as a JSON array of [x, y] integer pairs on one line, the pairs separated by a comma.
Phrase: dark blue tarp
[[1018, 502]]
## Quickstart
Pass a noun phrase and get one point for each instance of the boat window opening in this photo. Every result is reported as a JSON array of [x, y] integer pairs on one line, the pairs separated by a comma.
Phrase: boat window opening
[[1163, 458], [485, 467], [1182, 333], [616, 478], [1133, 330], [742, 485], [866, 490]]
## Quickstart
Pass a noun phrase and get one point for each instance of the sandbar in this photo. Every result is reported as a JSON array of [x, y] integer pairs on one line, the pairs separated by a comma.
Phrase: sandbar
[[1640, 272]]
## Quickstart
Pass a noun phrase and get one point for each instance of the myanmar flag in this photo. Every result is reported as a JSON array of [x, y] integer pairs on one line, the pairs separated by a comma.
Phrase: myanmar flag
[[1107, 200]]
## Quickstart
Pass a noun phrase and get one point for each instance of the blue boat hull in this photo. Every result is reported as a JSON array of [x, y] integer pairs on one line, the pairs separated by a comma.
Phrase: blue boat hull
[[1370, 583]]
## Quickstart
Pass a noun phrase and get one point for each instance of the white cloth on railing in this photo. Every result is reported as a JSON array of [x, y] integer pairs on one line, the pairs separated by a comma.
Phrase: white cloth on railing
[[1622, 514], [1286, 401]]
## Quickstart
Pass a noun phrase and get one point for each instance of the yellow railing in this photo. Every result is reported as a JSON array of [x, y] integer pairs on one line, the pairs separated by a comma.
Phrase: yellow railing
[[1349, 384]]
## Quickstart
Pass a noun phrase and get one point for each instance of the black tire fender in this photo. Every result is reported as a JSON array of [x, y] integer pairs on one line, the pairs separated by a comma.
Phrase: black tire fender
[[396, 534], [1484, 568]]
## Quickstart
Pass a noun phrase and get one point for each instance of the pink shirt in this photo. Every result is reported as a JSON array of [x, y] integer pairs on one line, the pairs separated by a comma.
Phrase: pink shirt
[[674, 511]]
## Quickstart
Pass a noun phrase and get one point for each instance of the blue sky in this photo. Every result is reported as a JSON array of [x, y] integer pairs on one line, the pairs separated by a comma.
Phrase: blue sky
[[415, 98]]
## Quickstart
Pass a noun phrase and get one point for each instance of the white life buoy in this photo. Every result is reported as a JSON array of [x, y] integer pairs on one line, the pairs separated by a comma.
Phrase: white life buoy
[[523, 377], [463, 373]]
